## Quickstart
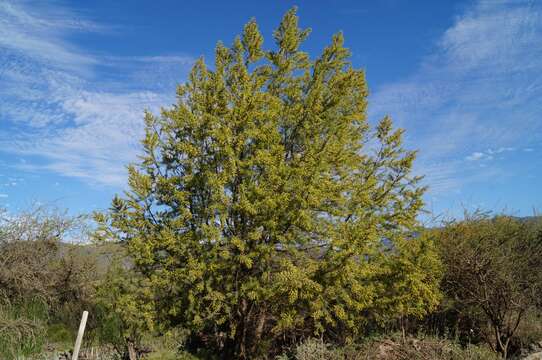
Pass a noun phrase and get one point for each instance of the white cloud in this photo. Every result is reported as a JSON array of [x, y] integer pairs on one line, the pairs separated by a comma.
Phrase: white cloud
[[476, 95], [105, 138], [493, 36], [36, 32], [56, 105], [476, 156], [501, 150], [449, 176], [488, 154]]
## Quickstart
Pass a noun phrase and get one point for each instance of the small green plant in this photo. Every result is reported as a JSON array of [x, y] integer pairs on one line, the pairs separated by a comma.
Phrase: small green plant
[[59, 333], [316, 349], [22, 328]]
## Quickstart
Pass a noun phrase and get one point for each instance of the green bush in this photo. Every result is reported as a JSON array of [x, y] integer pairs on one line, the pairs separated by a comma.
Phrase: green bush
[[59, 333]]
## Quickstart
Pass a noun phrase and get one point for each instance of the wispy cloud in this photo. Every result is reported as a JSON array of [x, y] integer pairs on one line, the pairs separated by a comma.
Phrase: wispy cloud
[[74, 113], [479, 89], [475, 156], [489, 154], [36, 32]]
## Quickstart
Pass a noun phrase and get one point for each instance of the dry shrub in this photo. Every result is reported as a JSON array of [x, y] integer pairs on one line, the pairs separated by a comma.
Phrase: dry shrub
[[392, 349], [36, 261], [493, 272], [425, 349], [43, 278]]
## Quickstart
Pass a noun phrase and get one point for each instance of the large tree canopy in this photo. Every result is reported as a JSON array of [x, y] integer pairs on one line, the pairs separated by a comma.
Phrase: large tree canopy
[[265, 207]]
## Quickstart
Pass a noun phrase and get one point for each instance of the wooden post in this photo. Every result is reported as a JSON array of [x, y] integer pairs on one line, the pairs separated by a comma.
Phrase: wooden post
[[79, 339]]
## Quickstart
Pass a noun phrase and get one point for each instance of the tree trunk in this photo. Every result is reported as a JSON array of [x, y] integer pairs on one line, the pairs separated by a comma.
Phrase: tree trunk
[[258, 331], [403, 332], [501, 343], [132, 354], [242, 342]]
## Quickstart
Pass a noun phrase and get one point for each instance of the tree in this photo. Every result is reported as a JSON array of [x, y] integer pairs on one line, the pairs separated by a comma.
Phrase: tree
[[493, 268], [265, 208]]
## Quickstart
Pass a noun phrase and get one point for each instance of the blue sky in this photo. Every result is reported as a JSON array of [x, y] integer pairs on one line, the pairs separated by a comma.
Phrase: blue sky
[[464, 78]]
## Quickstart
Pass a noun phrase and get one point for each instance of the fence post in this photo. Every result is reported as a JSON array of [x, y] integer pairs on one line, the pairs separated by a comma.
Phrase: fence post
[[80, 335]]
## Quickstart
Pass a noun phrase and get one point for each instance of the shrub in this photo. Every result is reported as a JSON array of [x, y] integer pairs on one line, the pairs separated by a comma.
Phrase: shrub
[[493, 273], [35, 262], [45, 282], [392, 349]]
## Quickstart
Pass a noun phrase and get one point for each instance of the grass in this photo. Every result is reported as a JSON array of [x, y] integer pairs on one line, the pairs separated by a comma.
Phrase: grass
[[22, 328]]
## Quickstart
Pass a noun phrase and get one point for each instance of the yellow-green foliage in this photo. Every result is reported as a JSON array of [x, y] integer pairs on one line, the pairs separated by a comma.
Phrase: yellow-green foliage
[[124, 310], [265, 207]]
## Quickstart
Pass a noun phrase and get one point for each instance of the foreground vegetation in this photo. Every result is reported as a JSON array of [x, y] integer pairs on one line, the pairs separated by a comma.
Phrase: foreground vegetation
[[268, 219]]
